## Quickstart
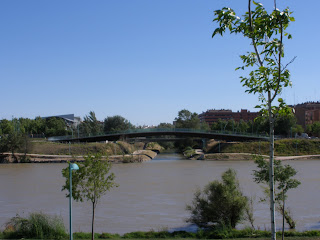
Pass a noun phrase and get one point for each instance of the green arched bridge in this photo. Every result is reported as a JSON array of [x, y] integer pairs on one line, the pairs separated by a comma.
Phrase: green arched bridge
[[154, 132]]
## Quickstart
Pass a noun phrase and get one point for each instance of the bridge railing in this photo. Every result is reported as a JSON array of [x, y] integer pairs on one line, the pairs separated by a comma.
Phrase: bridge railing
[[154, 130]]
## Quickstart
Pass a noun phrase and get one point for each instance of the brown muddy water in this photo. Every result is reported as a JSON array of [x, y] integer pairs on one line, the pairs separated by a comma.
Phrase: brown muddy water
[[151, 195]]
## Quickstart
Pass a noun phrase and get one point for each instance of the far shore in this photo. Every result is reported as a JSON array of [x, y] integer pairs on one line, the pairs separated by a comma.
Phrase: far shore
[[250, 157], [142, 156], [137, 156]]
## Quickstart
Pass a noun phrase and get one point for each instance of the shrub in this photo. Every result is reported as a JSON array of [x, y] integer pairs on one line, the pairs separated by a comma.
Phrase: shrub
[[37, 225], [220, 204], [82, 235], [109, 235]]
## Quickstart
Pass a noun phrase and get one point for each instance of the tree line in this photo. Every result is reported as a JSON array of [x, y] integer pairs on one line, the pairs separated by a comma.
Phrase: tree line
[[285, 124]]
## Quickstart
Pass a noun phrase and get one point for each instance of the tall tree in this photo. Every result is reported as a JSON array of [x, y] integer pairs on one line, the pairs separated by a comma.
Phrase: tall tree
[[116, 123], [269, 76], [6, 126], [55, 127], [90, 182], [187, 119], [90, 125]]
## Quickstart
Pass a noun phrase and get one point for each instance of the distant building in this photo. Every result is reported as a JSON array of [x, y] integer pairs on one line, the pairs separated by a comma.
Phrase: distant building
[[213, 115], [69, 119], [307, 113]]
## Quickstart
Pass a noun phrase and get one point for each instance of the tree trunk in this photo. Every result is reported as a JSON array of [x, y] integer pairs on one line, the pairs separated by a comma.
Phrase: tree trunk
[[92, 224], [271, 170]]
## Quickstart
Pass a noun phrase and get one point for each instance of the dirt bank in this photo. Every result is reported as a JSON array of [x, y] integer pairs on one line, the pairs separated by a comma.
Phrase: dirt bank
[[137, 156], [249, 156]]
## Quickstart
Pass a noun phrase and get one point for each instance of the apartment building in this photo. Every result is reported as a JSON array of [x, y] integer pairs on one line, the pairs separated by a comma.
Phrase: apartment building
[[213, 115]]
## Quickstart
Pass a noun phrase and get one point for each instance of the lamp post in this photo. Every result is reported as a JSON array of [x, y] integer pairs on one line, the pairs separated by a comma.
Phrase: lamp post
[[72, 166]]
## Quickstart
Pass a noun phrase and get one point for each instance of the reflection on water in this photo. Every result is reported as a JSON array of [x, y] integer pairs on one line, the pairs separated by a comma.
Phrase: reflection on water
[[151, 195]]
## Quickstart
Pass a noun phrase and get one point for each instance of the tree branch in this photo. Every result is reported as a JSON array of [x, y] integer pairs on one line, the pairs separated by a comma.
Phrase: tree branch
[[289, 63], [279, 62], [252, 35]]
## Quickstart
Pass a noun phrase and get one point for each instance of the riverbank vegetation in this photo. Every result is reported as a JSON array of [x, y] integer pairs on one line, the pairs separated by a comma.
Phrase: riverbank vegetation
[[47, 232], [110, 148], [35, 226], [221, 204], [283, 147]]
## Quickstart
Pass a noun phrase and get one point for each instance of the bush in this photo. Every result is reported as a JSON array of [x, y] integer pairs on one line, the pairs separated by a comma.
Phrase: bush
[[82, 235], [109, 235], [37, 225], [220, 205]]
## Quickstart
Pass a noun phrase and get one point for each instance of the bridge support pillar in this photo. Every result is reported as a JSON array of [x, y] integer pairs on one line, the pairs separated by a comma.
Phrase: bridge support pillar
[[204, 143]]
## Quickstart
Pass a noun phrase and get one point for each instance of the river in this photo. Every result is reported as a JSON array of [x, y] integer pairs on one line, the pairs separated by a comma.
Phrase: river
[[151, 195]]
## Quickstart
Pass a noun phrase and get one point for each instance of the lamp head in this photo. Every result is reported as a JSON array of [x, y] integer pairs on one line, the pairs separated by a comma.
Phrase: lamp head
[[74, 166]]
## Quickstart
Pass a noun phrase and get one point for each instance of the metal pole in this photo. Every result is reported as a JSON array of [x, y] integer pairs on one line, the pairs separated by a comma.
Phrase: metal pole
[[70, 200]]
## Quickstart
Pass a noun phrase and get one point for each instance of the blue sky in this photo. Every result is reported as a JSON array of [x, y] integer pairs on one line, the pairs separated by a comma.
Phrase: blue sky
[[142, 59]]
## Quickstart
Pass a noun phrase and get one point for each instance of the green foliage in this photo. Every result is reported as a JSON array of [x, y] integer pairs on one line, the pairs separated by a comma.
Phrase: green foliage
[[147, 235], [165, 125], [187, 119], [55, 127], [284, 181], [84, 235], [6, 126], [116, 124], [266, 32], [90, 125], [283, 147], [185, 143], [91, 181], [13, 142], [314, 129], [189, 152], [220, 204], [282, 174], [37, 225]]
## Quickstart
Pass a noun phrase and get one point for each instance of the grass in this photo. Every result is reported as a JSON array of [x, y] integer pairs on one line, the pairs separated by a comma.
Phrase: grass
[[110, 148], [242, 234], [35, 226], [283, 147]]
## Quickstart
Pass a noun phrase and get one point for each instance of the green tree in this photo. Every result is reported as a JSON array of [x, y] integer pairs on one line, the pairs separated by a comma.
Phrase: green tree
[[38, 126], [220, 204], [284, 122], [115, 124], [90, 182], [297, 129], [55, 127], [187, 119], [90, 125], [314, 129], [6, 126], [269, 76], [165, 125], [284, 181], [3, 144], [14, 142]]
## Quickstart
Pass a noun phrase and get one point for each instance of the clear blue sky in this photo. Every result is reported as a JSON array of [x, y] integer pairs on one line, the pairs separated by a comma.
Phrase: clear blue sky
[[142, 59]]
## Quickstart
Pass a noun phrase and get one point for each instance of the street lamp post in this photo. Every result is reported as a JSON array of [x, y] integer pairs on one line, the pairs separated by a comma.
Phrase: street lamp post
[[72, 166]]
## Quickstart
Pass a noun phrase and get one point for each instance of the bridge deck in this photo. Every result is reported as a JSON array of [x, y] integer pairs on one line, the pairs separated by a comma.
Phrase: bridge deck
[[138, 133]]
